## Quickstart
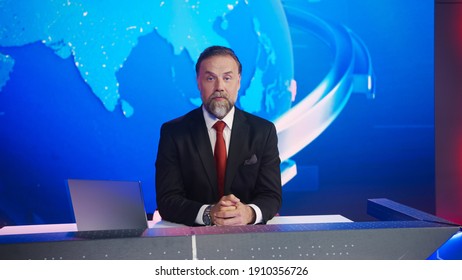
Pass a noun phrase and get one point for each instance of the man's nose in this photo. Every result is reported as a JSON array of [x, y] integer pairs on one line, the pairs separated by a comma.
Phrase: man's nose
[[220, 84]]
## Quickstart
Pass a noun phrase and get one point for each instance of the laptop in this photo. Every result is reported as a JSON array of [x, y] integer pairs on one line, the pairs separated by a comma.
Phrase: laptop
[[107, 205]]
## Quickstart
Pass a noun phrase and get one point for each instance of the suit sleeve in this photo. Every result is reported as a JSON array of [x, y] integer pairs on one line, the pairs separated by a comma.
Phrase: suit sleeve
[[268, 191], [171, 198]]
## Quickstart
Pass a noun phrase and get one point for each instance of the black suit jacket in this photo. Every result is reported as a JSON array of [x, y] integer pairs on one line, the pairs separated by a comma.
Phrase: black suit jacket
[[185, 169]]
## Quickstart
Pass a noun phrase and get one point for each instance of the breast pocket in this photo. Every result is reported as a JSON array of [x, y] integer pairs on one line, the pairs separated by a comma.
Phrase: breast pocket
[[246, 179]]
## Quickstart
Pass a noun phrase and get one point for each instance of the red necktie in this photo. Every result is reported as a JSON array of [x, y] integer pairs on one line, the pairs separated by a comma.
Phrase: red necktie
[[220, 156]]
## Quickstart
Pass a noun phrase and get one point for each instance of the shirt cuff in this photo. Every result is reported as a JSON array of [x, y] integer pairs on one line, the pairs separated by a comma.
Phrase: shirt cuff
[[258, 214], [200, 214]]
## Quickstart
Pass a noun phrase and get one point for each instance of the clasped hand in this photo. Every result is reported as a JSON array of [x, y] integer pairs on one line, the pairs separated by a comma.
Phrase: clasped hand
[[230, 211]]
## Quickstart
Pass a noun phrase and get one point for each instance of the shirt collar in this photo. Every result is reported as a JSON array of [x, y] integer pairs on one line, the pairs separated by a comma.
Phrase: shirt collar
[[210, 119]]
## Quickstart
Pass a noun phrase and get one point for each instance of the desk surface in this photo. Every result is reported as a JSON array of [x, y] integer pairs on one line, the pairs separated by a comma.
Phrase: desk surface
[[313, 237], [415, 235], [158, 223]]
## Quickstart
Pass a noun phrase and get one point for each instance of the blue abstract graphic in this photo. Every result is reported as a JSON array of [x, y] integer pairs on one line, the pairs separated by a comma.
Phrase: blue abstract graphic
[[85, 86]]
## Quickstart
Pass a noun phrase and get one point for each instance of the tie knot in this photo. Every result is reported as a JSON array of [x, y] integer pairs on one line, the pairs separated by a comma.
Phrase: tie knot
[[219, 126]]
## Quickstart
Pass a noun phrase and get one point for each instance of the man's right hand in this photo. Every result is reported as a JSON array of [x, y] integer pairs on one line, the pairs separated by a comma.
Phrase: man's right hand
[[230, 211]]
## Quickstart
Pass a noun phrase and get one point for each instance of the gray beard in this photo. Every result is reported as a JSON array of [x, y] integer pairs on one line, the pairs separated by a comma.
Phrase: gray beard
[[218, 108]]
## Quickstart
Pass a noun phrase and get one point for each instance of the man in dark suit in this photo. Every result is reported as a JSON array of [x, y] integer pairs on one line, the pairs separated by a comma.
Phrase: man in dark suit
[[188, 180]]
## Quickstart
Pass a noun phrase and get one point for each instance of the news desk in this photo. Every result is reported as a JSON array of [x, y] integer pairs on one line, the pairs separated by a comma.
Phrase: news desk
[[400, 233]]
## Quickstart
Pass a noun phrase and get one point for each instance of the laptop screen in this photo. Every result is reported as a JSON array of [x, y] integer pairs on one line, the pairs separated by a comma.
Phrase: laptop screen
[[107, 205]]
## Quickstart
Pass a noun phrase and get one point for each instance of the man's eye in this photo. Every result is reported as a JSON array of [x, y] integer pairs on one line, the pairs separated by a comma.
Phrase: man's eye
[[210, 78]]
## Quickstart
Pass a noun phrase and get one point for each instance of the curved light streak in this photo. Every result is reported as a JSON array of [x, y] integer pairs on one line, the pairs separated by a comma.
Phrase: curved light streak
[[351, 72]]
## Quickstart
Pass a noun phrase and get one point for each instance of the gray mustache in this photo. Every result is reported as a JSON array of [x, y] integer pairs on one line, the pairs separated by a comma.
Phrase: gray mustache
[[219, 94]]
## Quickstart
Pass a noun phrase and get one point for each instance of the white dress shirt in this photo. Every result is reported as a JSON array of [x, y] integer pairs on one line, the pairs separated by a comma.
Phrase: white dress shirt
[[210, 120]]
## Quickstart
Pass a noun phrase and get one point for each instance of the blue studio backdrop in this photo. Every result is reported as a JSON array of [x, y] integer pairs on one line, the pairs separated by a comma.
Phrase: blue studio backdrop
[[85, 86]]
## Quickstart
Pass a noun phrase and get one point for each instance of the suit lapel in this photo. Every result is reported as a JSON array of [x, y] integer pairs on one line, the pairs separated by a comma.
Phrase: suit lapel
[[239, 136], [202, 141]]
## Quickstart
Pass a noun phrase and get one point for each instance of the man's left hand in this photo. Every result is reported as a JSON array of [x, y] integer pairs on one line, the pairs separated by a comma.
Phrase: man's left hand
[[229, 211]]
